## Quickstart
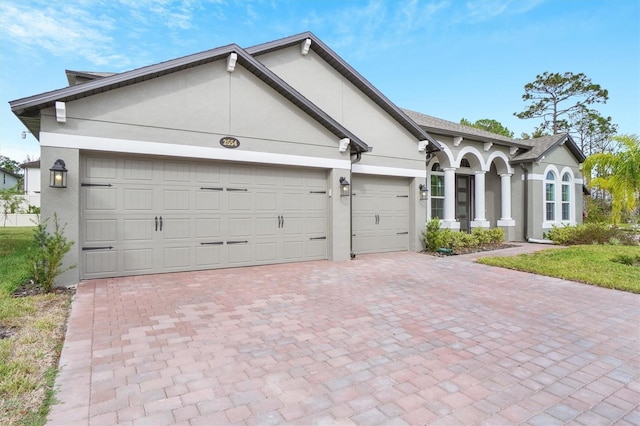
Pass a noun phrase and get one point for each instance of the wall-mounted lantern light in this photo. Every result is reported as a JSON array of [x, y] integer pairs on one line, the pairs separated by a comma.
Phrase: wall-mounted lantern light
[[344, 187], [423, 191], [58, 176]]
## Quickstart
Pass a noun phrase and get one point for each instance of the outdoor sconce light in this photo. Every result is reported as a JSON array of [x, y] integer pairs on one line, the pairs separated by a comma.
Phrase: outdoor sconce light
[[344, 187], [423, 191], [58, 176]]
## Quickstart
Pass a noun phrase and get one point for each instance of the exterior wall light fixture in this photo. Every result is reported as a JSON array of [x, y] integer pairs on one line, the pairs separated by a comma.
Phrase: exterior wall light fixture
[[58, 175], [423, 191], [344, 187]]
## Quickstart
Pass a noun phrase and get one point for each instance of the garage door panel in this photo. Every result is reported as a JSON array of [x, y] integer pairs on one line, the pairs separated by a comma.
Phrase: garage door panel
[[264, 177], [100, 262], [176, 199], [100, 168], [100, 230], [316, 249], [239, 227], [267, 226], [176, 257], [96, 198], [293, 226], [208, 228], [239, 254], [266, 201], [137, 199], [208, 200], [138, 229], [177, 172], [316, 226], [240, 175], [239, 201], [266, 252], [208, 173], [176, 228], [139, 170], [294, 201], [138, 260], [209, 256], [293, 250]]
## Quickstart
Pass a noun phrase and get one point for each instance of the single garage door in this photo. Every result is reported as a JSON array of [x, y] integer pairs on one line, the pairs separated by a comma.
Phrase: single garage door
[[380, 206], [142, 215]]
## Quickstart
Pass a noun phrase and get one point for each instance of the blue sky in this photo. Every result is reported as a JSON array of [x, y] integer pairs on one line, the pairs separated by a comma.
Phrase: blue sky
[[446, 58]]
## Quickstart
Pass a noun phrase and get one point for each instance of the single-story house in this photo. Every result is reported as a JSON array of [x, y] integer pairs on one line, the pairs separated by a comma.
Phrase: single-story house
[[8, 179], [280, 152]]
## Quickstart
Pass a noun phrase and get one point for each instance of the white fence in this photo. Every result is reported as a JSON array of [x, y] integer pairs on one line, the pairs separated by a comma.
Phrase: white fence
[[16, 219]]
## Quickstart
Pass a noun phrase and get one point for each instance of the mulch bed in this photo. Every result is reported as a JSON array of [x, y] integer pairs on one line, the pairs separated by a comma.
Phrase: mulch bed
[[470, 250], [30, 288]]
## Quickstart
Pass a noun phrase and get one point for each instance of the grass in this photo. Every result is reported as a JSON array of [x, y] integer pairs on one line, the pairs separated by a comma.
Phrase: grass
[[28, 359], [592, 264]]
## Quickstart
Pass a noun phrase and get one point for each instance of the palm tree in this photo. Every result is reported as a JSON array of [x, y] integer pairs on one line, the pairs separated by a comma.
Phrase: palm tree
[[617, 173]]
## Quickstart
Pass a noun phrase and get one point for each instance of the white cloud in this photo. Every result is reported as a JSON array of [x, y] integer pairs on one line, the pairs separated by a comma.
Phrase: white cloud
[[483, 10], [61, 31]]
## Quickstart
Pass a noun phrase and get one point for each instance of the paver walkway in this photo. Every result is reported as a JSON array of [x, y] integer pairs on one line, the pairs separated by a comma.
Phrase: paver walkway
[[399, 338]]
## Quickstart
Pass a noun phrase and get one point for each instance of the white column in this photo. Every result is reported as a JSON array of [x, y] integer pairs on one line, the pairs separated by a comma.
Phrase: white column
[[505, 200], [449, 220], [480, 220]]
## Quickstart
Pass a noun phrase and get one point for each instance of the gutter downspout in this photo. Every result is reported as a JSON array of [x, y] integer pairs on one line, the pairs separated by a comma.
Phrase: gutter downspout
[[353, 161], [525, 218]]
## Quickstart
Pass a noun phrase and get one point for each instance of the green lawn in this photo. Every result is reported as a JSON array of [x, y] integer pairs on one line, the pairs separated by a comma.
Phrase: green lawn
[[29, 357], [591, 264]]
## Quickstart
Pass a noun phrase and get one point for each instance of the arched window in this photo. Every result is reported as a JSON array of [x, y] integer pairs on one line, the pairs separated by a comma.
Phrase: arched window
[[550, 196], [465, 163], [437, 192], [566, 197]]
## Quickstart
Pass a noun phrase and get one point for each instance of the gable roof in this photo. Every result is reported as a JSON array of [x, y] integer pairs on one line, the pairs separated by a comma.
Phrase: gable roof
[[79, 77], [5, 171], [28, 109], [542, 146], [532, 149], [348, 72], [438, 125], [31, 165]]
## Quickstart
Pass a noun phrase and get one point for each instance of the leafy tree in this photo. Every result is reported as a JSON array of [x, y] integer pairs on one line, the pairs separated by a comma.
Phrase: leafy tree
[[592, 132], [537, 133], [618, 174], [489, 125], [554, 96], [10, 165]]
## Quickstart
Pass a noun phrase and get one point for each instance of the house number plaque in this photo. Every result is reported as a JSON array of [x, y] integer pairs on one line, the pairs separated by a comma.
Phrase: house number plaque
[[230, 142]]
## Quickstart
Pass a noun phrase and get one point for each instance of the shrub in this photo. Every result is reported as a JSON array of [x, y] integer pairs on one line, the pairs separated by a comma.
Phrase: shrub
[[47, 252], [589, 233], [436, 237], [431, 235]]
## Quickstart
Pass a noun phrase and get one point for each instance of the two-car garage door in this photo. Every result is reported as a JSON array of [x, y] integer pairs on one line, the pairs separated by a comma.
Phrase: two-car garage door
[[142, 215]]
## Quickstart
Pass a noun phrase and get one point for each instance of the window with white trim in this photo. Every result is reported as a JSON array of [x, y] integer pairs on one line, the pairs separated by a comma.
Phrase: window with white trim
[[566, 197], [437, 192], [550, 196]]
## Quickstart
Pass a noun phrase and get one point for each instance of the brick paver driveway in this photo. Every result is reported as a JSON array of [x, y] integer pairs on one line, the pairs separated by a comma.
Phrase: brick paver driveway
[[401, 338]]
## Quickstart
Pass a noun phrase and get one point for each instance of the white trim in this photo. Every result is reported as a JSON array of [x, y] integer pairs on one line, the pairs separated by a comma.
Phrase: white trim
[[506, 222], [59, 140], [535, 176], [388, 171]]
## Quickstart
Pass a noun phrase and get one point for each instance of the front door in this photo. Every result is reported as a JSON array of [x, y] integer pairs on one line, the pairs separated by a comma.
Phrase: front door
[[464, 189]]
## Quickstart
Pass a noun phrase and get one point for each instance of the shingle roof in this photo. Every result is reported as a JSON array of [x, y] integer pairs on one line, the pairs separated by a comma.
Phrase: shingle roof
[[31, 165], [10, 173], [540, 147], [438, 125], [28, 109]]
